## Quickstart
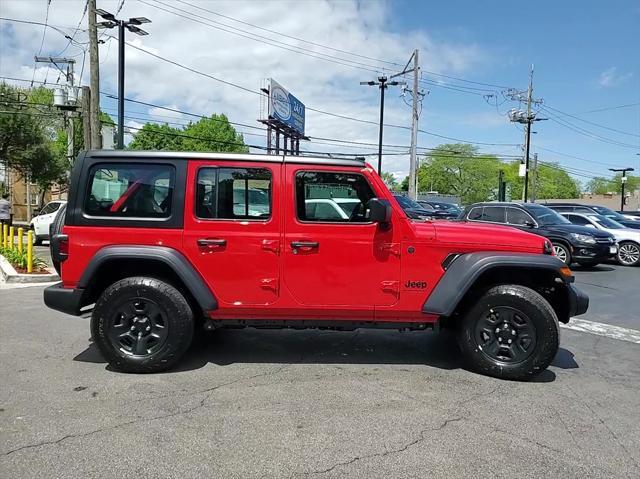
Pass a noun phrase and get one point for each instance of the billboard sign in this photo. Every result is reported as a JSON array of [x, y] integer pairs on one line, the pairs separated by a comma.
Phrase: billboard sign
[[285, 108]]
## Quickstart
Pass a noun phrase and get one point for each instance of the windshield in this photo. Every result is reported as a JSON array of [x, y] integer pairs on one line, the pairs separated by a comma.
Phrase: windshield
[[606, 222], [546, 216], [609, 213], [407, 203]]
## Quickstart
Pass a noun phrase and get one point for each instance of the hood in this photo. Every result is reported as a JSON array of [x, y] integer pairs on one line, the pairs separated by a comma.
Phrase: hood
[[569, 228], [476, 236]]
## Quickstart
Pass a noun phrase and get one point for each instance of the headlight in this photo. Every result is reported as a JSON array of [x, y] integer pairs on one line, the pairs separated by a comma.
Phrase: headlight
[[583, 238]]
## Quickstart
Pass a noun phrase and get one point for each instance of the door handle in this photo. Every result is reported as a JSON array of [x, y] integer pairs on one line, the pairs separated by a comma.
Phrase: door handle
[[304, 244], [212, 243]]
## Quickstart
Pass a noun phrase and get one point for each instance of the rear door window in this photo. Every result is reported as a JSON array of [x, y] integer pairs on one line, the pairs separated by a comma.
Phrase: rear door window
[[130, 190], [233, 193], [494, 214]]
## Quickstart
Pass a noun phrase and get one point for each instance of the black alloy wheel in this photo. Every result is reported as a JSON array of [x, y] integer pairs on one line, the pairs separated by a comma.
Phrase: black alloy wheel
[[138, 327], [505, 334]]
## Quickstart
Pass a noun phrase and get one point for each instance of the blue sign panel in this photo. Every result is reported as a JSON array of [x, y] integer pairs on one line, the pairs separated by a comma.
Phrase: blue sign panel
[[286, 108]]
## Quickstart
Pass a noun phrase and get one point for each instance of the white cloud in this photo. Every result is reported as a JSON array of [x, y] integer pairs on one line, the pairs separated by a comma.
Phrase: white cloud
[[349, 25], [610, 77]]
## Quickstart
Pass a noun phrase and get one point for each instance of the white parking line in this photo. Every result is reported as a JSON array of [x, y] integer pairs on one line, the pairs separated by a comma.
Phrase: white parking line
[[601, 329]]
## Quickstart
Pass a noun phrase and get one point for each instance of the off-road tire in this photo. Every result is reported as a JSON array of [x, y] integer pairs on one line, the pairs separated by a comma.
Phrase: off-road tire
[[560, 250], [539, 313], [177, 317]]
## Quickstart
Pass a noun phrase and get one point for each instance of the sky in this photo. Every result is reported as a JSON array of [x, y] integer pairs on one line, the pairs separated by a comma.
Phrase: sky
[[584, 53]]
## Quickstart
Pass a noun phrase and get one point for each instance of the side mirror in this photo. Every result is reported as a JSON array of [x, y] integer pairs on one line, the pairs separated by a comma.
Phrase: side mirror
[[379, 211], [530, 224]]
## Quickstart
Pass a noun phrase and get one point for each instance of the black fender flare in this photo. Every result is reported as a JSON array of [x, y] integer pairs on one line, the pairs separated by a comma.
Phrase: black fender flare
[[169, 256], [467, 268]]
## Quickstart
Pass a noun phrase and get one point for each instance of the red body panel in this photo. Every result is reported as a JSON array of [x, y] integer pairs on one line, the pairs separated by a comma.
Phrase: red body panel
[[357, 272]]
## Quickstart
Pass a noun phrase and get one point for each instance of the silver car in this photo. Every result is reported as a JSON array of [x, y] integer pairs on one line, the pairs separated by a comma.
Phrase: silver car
[[628, 239]]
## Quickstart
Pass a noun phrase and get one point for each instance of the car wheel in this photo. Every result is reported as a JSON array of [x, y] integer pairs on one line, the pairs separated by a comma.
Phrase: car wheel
[[142, 325], [512, 332], [562, 253], [628, 253], [37, 240]]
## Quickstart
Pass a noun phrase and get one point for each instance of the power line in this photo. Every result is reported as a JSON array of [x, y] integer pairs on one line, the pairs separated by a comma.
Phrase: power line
[[636, 135], [573, 156], [84, 14], [612, 108], [584, 132], [337, 50]]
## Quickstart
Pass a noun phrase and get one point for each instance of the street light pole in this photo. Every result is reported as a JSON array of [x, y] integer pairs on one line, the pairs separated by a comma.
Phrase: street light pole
[[132, 25], [383, 84], [623, 180], [120, 139]]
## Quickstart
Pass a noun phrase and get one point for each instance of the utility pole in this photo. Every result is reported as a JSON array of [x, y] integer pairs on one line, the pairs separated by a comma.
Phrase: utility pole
[[132, 25], [624, 181], [95, 127], [534, 188], [413, 158], [67, 98], [501, 185], [86, 117], [383, 83], [527, 118]]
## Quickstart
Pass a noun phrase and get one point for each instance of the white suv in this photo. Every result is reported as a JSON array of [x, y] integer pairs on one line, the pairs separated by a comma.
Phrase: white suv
[[40, 223]]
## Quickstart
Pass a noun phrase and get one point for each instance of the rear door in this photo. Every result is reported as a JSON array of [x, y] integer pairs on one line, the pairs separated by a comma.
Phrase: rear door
[[337, 260], [232, 229]]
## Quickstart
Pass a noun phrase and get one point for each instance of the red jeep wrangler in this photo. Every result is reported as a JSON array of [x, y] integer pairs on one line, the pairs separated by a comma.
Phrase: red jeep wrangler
[[163, 244]]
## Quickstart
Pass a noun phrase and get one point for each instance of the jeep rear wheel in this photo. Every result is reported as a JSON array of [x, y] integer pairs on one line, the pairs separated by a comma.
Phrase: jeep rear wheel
[[142, 325], [511, 333]]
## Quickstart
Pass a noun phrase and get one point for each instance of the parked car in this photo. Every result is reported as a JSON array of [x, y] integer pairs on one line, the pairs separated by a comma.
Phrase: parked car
[[413, 209], [442, 210], [571, 243], [153, 246], [631, 215], [41, 222], [600, 210], [628, 239]]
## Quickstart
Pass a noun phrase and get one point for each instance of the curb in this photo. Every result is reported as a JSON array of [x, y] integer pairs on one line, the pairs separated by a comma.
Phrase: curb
[[11, 276]]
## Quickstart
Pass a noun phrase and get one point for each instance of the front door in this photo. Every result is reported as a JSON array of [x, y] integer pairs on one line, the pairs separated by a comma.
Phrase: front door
[[333, 255], [232, 232]]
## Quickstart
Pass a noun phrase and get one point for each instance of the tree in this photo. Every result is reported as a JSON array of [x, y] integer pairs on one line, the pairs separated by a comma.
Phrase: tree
[[550, 181], [389, 180], [600, 185], [158, 137], [207, 134], [459, 169]]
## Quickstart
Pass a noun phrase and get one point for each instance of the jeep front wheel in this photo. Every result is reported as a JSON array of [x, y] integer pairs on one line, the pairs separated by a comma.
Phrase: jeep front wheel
[[512, 332], [142, 325]]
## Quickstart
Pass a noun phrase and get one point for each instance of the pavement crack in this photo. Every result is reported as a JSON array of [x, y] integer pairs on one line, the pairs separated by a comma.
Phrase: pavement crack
[[202, 403], [420, 437]]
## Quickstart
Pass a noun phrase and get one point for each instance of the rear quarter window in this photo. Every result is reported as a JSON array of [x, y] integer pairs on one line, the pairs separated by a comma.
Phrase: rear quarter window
[[126, 190]]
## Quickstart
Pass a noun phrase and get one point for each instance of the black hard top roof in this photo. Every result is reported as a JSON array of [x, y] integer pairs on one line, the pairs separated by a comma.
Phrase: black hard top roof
[[186, 155]]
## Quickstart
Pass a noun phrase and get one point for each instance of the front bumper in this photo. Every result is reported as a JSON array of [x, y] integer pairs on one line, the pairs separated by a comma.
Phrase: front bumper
[[590, 251], [63, 299], [578, 301]]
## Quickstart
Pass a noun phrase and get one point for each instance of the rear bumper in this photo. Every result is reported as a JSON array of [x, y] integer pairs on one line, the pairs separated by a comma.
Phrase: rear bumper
[[578, 301], [62, 299]]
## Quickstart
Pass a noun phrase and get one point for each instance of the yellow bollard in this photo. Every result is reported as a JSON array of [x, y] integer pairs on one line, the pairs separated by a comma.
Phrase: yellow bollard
[[11, 233], [30, 251], [20, 245]]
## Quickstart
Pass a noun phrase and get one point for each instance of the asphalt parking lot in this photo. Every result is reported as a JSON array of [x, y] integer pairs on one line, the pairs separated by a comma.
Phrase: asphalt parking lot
[[325, 404]]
